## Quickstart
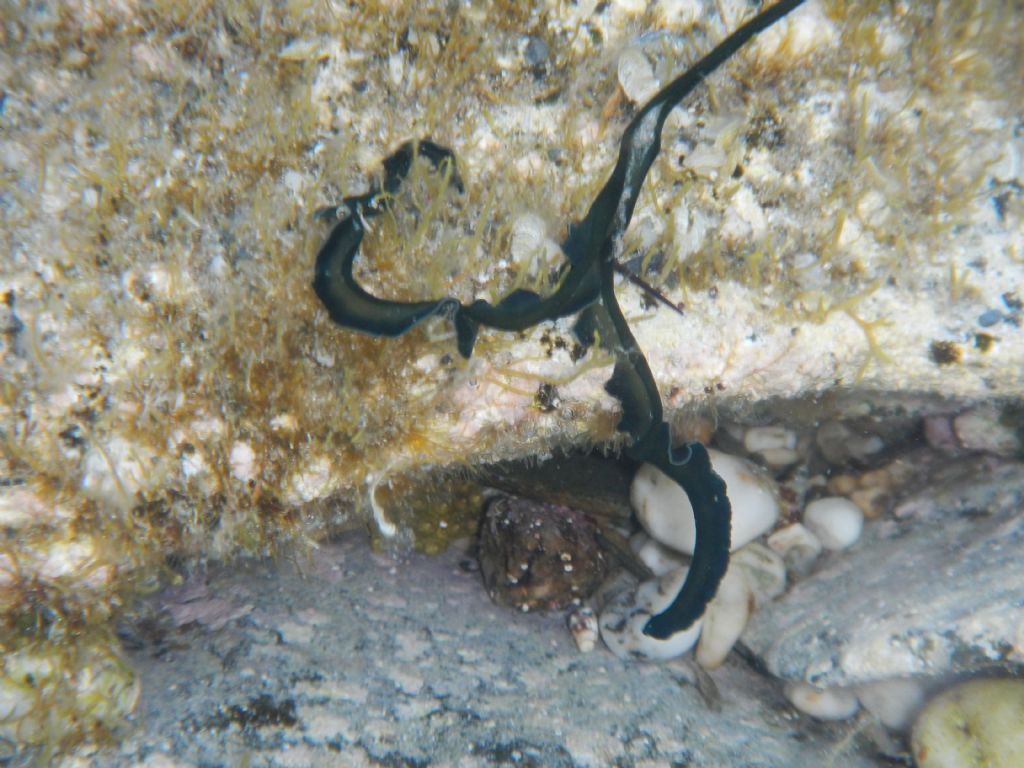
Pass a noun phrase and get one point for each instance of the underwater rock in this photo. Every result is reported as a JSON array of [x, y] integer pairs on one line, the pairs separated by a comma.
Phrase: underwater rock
[[928, 594], [976, 724], [539, 557], [155, 282]]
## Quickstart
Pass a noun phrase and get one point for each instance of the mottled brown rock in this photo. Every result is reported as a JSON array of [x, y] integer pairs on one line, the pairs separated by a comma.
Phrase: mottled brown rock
[[539, 557]]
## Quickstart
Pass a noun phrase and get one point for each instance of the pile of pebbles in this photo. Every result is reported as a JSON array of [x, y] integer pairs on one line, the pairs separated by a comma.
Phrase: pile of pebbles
[[875, 556]]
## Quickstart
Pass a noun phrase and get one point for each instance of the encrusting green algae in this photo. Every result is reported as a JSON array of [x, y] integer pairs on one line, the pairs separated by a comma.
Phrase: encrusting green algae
[[845, 194]]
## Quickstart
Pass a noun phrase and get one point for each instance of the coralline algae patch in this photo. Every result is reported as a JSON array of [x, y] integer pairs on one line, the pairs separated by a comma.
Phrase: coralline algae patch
[[171, 387]]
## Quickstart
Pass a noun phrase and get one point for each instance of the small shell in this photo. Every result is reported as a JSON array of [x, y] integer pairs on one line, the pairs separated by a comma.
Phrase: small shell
[[583, 625], [636, 75]]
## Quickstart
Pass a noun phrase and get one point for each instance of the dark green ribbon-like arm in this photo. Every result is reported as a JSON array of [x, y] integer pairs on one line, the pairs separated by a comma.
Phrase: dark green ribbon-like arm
[[588, 288]]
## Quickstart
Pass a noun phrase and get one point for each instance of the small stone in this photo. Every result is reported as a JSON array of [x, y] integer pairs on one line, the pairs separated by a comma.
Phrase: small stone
[[725, 619], [839, 443], [938, 431], [981, 429], [763, 569], [797, 546], [779, 458], [843, 485], [822, 703], [837, 522], [977, 724], [656, 556], [536, 52], [243, 462], [760, 439], [873, 502], [665, 513], [623, 618], [894, 703]]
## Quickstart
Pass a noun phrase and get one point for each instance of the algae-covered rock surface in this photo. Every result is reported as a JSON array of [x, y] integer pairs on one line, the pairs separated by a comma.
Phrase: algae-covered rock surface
[[840, 207]]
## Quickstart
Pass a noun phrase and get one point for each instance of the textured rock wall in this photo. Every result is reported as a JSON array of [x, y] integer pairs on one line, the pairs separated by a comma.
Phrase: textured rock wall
[[841, 206]]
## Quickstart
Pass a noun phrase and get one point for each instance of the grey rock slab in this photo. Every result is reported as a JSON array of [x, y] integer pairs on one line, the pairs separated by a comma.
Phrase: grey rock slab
[[937, 591], [354, 658]]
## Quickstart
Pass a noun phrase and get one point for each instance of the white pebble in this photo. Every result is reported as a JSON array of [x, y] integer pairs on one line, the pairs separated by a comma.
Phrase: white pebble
[[623, 618], [824, 704], [725, 619], [797, 546], [763, 569], [837, 522], [895, 703], [659, 558], [778, 458], [665, 513], [760, 439]]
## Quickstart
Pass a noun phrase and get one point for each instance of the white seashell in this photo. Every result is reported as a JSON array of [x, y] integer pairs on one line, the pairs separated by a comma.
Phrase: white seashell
[[837, 522], [797, 546], [659, 558], [623, 618], [725, 619], [636, 75], [824, 704], [763, 569], [665, 512], [583, 625], [895, 703], [531, 246]]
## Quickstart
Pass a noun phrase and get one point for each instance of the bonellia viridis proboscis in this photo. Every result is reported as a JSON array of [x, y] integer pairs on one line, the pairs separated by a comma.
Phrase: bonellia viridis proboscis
[[586, 289]]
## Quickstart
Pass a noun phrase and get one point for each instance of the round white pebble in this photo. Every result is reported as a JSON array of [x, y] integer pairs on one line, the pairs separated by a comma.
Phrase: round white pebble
[[664, 510], [894, 702], [836, 521], [824, 704], [659, 558], [622, 620]]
